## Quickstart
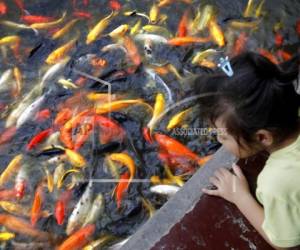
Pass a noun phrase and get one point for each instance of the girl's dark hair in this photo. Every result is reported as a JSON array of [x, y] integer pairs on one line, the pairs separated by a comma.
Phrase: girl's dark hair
[[260, 95]]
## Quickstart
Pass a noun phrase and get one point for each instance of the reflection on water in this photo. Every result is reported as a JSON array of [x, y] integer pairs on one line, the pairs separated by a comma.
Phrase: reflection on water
[[88, 151]]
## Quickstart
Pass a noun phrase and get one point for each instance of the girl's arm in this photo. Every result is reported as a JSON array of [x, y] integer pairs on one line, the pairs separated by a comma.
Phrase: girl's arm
[[234, 188]]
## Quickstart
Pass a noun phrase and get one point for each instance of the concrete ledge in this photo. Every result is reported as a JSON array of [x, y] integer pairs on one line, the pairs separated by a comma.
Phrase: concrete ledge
[[180, 204]]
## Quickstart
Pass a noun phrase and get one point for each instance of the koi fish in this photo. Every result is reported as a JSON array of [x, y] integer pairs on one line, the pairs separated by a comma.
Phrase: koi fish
[[61, 52], [11, 169], [58, 173], [7, 134], [4, 80], [62, 117], [117, 105], [121, 188], [147, 204], [168, 190], [99, 28], [37, 205], [110, 130], [18, 77], [159, 107], [268, 55], [48, 25], [173, 147], [96, 244], [31, 19], [79, 239], [119, 31], [178, 118], [5, 236], [249, 8], [21, 181], [38, 138], [61, 32], [206, 15], [23, 227], [132, 51], [183, 41], [183, 25], [75, 158], [3, 8], [96, 210], [30, 111], [10, 40], [60, 206], [126, 160], [42, 115], [240, 44], [154, 13], [115, 5], [82, 14], [80, 211], [216, 33]]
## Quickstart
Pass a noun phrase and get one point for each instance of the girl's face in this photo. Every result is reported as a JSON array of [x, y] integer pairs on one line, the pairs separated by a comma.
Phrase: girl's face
[[230, 143]]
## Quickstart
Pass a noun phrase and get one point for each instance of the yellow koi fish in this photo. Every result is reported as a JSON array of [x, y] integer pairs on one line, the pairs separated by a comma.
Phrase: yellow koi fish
[[99, 28], [9, 40], [216, 33], [61, 32], [48, 25], [159, 107], [75, 158], [177, 119], [119, 31], [11, 169], [60, 52]]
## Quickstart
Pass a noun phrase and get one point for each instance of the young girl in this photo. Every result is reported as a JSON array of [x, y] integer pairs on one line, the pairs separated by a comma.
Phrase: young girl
[[258, 107]]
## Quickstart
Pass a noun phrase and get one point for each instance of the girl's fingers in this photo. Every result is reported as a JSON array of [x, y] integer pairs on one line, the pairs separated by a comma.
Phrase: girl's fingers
[[237, 170], [219, 174], [214, 180], [214, 192]]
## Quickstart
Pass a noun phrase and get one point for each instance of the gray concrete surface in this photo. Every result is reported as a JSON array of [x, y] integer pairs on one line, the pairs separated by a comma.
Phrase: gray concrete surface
[[180, 204]]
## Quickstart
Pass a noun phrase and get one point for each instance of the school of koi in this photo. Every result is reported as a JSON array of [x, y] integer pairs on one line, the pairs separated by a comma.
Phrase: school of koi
[[87, 122]]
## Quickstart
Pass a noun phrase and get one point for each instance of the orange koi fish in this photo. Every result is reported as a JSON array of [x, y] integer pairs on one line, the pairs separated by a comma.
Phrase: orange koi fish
[[23, 227], [8, 194], [30, 19], [78, 239], [278, 39], [132, 51], [60, 207], [240, 44], [110, 130], [66, 130], [182, 41], [62, 117], [115, 5], [173, 147], [42, 115], [7, 134], [284, 55], [37, 205], [82, 14], [183, 25], [121, 188], [3, 8], [268, 55], [39, 138]]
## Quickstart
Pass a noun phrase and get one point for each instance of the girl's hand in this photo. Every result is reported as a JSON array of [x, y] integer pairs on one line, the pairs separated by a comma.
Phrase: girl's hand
[[231, 187]]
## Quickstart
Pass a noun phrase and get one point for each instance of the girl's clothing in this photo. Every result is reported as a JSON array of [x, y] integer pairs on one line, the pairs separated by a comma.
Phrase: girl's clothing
[[278, 190]]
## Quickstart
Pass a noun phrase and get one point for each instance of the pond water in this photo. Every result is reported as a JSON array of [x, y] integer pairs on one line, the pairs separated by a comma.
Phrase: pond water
[[99, 123]]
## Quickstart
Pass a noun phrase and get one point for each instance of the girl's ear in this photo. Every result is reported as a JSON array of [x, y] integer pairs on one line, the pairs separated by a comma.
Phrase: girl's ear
[[264, 137]]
